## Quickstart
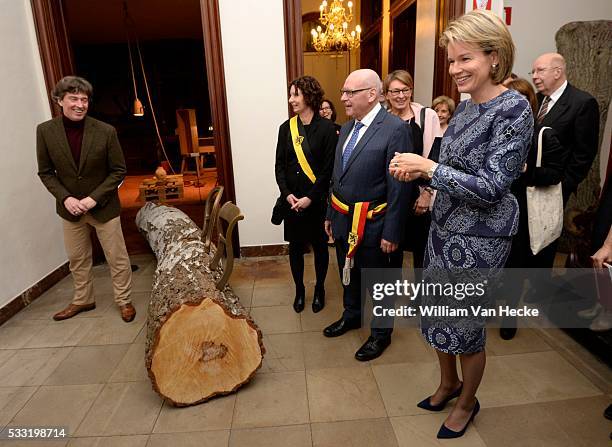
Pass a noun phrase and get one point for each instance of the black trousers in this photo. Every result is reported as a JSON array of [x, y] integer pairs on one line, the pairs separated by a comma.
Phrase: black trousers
[[353, 298]]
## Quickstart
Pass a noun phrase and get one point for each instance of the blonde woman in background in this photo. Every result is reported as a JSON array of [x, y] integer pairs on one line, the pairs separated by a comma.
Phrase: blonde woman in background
[[444, 108], [425, 127]]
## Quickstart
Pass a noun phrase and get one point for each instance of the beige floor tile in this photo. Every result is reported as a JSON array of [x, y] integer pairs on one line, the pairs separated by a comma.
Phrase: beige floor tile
[[547, 376], [339, 394], [61, 333], [407, 345], [317, 322], [282, 295], [132, 366], [17, 334], [110, 441], [361, 433], [323, 352], [526, 340], [141, 338], [273, 273], [276, 319], [292, 435], [122, 409], [31, 366], [36, 443], [215, 414], [500, 385], [87, 364], [421, 431], [57, 406], [582, 421], [193, 439], [284, 352], [244, 294], [271, 400], [403, 385], [12, 399], [112, 330], [524, 425]]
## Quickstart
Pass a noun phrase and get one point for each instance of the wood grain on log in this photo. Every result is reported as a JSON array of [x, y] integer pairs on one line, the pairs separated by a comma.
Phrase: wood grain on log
[[201, 342]]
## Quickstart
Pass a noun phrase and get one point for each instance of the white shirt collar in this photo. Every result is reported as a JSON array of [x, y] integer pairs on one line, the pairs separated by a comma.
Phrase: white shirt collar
[[367, 120], [554, 97]]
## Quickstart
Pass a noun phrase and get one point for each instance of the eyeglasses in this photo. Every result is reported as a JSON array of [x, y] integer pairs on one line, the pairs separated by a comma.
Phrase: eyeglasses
[[325, 108], [541, 70], [396, 91], [350, 93]]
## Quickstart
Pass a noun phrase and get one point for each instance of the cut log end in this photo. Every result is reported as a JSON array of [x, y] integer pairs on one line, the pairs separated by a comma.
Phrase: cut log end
[[202, 351]]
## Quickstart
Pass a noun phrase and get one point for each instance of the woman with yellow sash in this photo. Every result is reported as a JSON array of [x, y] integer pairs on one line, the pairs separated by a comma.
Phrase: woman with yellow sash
[[304, 162]]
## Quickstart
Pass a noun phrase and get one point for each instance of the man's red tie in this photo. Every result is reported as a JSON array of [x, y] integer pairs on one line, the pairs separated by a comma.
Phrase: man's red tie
[[543, 110]]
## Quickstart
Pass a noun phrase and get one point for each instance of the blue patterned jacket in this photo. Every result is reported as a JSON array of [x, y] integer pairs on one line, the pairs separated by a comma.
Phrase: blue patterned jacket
[[482, 152]]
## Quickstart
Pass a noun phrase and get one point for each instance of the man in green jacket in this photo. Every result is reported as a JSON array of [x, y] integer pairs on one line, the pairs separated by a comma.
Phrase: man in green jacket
[[81, 163]]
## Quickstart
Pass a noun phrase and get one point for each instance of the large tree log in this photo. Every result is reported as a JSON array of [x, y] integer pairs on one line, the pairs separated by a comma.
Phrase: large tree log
[[587, 49], [201, 342]]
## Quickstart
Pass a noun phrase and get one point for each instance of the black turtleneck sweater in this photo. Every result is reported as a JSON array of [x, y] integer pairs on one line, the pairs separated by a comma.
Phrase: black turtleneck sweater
[[74, 134]]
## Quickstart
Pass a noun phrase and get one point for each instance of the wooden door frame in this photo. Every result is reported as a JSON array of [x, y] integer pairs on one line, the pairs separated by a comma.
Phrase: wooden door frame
[[57, 61]]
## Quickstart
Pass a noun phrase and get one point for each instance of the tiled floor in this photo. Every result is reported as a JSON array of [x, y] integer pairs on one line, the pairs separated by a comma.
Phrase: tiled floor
[[87, 374]]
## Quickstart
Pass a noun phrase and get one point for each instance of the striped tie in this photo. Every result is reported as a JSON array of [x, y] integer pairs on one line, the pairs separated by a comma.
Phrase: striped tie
[[351, 144], [543, 110]]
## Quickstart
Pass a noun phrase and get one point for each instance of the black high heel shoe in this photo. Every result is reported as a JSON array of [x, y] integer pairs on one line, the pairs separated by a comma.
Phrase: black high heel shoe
[[427, 405], [318, 301], [447, 433], [300, 301]]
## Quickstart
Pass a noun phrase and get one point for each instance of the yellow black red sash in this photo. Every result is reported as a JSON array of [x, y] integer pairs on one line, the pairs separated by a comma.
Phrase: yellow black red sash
[[297, 139], [361, 212]]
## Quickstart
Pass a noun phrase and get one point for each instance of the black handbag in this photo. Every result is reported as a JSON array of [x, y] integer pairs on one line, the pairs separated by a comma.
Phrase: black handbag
[[280, 211]]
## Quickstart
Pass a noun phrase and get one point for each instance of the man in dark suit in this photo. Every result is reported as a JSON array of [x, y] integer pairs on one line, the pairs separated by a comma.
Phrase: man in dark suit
[[572, 113], [81, 163], [366, 145], [574, 116]]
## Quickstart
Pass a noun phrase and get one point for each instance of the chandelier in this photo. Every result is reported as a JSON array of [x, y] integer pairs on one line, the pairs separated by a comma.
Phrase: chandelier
[[335, 36]]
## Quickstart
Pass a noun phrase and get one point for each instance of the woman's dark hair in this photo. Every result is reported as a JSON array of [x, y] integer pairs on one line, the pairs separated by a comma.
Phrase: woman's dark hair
[[332, 107], [71, 84], [311, 90]]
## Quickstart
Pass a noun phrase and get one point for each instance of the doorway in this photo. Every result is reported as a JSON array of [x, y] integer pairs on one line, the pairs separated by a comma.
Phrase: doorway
[[182, 54]]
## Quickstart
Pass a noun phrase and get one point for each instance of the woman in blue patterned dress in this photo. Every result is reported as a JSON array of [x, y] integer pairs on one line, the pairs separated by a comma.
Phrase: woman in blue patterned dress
[[474, 215]]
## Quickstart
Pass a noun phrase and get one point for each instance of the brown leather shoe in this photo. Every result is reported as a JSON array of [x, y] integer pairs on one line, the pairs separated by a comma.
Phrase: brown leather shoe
[[72, 310], [127, 312]]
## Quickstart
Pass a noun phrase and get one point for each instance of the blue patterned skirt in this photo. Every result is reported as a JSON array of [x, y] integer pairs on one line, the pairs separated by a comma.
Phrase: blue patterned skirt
[[451, 257]]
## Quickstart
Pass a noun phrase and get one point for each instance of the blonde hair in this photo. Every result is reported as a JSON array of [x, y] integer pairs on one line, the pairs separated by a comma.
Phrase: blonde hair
[[487, 32], [444, 100], [398, 75]]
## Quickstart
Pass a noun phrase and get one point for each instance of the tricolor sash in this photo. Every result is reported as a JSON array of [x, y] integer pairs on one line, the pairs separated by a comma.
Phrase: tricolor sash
[[361, 212]]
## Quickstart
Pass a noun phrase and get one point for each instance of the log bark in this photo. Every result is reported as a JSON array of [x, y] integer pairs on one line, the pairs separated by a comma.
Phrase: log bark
[[201, 342]]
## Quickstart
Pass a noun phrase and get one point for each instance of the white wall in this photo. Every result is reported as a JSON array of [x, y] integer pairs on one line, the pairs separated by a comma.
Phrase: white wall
[[32, 243], [252, 35], [534, 24], [424, 48]]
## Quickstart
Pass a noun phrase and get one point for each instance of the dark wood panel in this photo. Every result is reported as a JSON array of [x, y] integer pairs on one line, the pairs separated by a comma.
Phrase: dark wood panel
[[443, 84], [403, 36]]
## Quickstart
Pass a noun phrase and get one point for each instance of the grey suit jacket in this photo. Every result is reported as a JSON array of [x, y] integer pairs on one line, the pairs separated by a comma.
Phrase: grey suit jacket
[[367, 179], [101, 168]]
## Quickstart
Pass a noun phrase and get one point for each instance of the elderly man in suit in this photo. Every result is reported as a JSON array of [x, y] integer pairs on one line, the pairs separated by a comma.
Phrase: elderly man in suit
[[81, 163], [572, 113], [362, 186]]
